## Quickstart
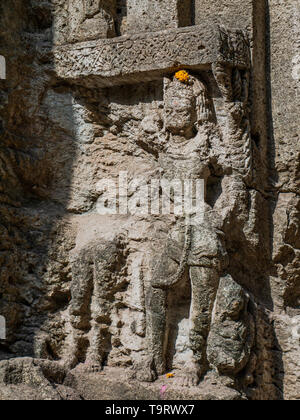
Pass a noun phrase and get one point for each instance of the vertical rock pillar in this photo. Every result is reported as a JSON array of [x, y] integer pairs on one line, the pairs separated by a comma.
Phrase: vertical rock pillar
[[284, 128]]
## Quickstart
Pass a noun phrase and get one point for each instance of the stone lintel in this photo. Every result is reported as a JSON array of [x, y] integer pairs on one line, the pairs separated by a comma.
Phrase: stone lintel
[[148, 56]]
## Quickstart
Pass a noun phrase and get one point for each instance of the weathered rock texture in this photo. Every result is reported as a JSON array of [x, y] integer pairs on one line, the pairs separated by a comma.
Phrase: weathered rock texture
[[90, 94]]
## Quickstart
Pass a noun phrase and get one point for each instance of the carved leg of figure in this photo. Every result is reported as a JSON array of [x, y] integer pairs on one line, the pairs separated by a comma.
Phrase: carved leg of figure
[[81, 291], [93, 362], [106, 259], [153, 364], [69, 358], [159, 314], [204, 289]]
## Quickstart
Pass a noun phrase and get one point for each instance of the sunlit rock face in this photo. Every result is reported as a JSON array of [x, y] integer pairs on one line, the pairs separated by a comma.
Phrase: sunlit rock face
[[104, 267]]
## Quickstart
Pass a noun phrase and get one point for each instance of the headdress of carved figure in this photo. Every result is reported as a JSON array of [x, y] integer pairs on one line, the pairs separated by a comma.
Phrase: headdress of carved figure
[[186, 106]]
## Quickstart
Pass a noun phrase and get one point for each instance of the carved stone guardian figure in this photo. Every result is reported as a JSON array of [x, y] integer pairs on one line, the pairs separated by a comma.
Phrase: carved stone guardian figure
[[196, 148]]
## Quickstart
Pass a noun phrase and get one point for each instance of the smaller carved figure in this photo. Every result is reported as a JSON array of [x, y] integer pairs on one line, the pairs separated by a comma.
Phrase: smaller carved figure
[[96, 277], [231, 336]]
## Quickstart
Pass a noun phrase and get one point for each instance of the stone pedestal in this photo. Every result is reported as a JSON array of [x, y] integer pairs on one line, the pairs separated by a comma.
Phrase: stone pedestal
[[91, 19], [155, 15]]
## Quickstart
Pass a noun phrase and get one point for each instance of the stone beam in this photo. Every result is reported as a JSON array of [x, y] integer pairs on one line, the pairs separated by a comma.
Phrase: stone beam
[[149, 56]]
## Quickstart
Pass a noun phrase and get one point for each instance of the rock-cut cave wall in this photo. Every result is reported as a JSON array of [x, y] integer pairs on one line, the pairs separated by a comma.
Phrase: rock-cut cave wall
[[90, 94]]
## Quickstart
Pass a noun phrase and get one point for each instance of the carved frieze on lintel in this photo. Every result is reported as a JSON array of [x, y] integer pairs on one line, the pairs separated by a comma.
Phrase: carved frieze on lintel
[[148, 56]]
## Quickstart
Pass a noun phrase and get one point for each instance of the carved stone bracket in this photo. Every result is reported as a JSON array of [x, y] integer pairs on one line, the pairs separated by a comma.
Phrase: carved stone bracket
[[148, 56]]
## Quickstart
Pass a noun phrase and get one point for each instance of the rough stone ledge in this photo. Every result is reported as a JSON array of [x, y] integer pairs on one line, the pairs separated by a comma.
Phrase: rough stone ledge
[[37, 379], [147, 56]]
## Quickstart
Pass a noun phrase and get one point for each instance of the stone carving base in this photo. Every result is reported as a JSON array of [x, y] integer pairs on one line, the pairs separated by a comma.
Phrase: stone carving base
[[34, 379]]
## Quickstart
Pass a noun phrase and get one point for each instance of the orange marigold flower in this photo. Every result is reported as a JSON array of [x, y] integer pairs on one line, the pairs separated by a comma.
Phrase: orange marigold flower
[[182, 76], [170, 375]]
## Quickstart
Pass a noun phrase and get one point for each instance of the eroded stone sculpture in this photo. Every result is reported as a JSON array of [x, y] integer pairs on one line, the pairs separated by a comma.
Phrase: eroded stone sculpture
[[91, 19], [195, 147], [90, 93]]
